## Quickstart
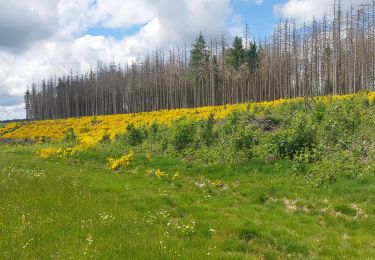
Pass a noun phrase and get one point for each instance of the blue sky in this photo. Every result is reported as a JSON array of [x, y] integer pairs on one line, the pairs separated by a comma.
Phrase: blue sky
[[260, 17], [117, 33]]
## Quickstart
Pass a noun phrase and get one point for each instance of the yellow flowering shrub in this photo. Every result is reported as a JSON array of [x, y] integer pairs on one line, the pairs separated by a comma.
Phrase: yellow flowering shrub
[[8, 127], [90, 130], [371, 97], [217, 183], [159, 173], [49, 152], [124, 161], [177, 175]]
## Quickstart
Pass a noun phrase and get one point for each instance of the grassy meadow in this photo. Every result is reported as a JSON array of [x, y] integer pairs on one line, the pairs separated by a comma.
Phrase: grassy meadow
[[291, 181]]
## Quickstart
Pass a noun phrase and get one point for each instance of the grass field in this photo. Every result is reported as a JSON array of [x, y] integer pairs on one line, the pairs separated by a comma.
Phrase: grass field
[[276, 180], [80, 209]]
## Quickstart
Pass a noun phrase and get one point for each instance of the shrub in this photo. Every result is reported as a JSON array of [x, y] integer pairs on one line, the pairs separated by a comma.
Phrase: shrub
[[124, 161], [340, 164], [298, 137], [207, 131], [232, 122], [154, 129], [341, 122], [183, 134], [106, 138], [134, 136], [319, 111], [304, 158], [244, 143], [70, 136]]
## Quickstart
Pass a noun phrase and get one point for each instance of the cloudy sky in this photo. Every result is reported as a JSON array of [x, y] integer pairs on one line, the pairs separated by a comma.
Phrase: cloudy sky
[[41, 38]]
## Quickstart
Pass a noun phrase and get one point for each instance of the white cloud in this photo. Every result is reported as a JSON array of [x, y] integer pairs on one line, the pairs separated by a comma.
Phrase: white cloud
[[115, 14], [306, 10], [12, 112], [62, 45], [25, 22]]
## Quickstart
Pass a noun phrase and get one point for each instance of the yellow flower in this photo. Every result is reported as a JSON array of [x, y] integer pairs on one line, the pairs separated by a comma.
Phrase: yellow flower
[[177, 175], [90, 130], [217, 184], [124, 161], [159, 173], [49, 152]]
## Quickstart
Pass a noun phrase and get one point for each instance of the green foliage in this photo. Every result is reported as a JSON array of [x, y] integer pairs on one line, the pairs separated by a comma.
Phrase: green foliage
[[298, 137], [154, 129], [70, 136], [198, 57], [252, 57], [235, 56], [208, 134], [134, 136], [106, 138], [324, 143], [183, 134], [229, 166], [231, 123], [238, 55], [340, 164], [178, 214], [302, 160], [319, 112], [341, 122], [244, 142]]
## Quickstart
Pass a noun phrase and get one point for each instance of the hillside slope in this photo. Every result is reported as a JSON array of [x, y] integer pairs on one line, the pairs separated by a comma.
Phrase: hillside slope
[[284, 179]]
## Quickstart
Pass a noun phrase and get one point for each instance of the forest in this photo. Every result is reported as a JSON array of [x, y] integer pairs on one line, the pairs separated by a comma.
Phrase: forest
[[331, 55]]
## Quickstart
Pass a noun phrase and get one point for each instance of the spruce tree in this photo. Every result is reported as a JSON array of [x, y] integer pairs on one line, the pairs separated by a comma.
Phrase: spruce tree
[[235, 55], [198, 56], [252, 57]]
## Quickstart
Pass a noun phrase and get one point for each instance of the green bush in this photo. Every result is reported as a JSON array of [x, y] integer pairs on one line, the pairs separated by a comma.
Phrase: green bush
[[158, 137], [183, 134], [244, 142], [207, 131], [231, 123], [70, 136], [134, 136], [339, 164], [299, 136], [341, 122], [106, 138], [154, 129], [319, 112]]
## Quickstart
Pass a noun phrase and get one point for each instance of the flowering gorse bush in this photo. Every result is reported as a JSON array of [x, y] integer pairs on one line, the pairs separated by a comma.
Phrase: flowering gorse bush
[[49, 152], [159, 173], [124, 161], [113, 125], [88, 131]]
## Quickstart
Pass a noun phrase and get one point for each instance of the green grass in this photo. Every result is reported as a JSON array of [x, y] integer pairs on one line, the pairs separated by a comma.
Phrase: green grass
[[79, 209]]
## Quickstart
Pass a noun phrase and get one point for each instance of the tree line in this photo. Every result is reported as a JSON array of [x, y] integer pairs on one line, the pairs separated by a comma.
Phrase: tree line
[[331, 55]]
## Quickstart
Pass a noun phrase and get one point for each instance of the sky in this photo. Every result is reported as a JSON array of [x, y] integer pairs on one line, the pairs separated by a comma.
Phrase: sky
[[44, 38]]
